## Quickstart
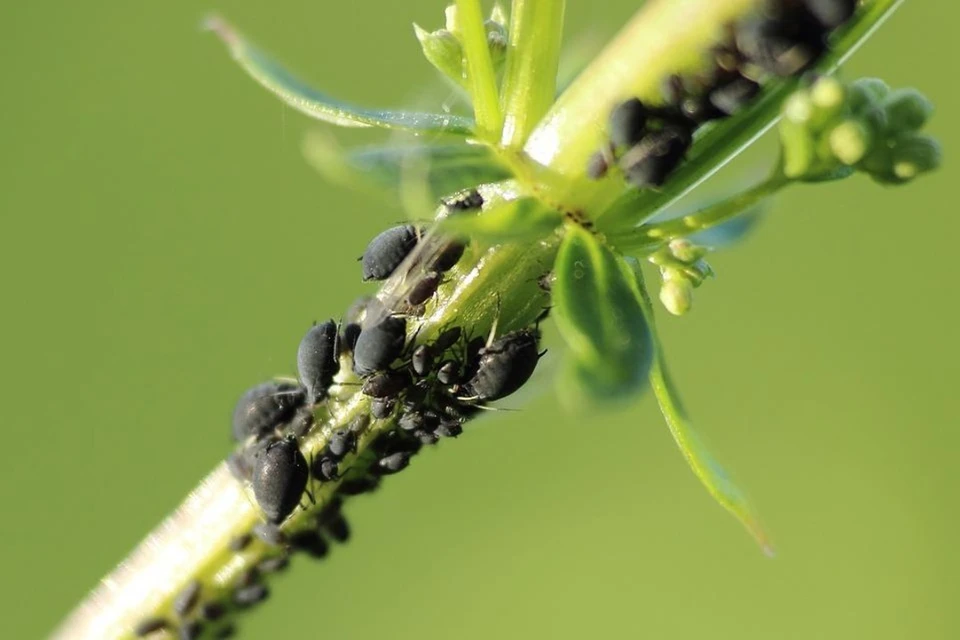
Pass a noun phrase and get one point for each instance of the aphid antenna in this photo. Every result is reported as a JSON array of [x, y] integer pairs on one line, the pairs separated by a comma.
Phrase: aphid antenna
[[496, 321]]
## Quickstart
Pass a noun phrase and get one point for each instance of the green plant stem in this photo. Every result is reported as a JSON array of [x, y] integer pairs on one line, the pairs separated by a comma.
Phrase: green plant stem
[[647, 237], [498, 283], [481, 77], [533, 56], [664, 37]]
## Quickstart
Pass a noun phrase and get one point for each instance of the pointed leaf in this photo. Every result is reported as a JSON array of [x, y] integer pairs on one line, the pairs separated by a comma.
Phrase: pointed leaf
[[704, 465], [440, 169], [315, 104], [598, 313]]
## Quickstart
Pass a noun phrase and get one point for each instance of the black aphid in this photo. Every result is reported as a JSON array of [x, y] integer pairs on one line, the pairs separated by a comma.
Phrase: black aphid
[[266, 407], [239, 466], [274, 564], [150, 625], [342, 442], [386, 251], [302, 422], [449, 372], [250, 595], [422, 360], [448, 257], [411, 420], [212, 611], [464, 201], [446, 339], [186, 600], [348, 337], [392, 463], [832, 13], [628, 123], [239, 543], [785, 44], [311, 543], [426, 437], [357, 486], [317, 361], [378, 346], [505, 365], [382, 408], [598, 164], [269, 534], [449, 429], [191, 630], [424, 288], [279, 479], [734, 95], [337, 527], [649, 163], [326, 469], [386, 384]]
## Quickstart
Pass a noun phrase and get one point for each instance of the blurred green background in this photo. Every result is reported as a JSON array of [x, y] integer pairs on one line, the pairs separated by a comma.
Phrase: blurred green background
[[164, 246]]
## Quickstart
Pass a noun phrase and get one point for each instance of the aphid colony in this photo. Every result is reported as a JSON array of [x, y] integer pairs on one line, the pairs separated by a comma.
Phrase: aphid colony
[[429, 389], [787, 37]]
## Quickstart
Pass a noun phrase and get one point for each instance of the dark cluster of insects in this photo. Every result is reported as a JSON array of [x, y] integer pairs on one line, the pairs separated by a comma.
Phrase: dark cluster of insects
[[787, 37], [428, 388]]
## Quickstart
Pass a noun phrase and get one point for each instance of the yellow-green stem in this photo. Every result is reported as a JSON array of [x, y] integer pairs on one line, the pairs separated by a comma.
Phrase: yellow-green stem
[[533, 55], [481, 77]]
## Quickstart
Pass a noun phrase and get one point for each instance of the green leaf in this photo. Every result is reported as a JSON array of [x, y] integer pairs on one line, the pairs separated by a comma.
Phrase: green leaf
[[298, 95], [599, 314], [396, 170], [702, 462], [506, 216]]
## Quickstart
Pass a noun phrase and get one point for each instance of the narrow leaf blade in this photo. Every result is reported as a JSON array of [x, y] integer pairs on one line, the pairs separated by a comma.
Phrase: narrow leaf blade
[[440, 169], [300, 96], [599, 315], [705, 466]]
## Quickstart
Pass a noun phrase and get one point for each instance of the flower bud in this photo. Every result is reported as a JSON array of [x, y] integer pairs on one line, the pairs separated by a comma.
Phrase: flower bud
[[676, 295], [443, 50], [915, 154], [828, 96], [798, 148], [865, 92], [849, 142], [907, 110]]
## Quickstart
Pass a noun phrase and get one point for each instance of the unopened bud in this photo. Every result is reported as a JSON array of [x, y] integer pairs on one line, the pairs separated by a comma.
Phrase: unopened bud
[[827, 95], [798, 148], [798, 108], [676, 295], [907, 110], [914, 155], [443, 50], [849, 142], [865, 92]]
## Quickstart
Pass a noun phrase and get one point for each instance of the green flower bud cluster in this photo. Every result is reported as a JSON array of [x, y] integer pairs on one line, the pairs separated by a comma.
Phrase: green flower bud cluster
[[682, 269], [443, 49], [830, 129]]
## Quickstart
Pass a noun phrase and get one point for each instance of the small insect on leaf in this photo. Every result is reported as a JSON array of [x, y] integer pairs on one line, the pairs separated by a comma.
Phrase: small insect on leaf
[[704, 465], [300, 96], [599, 314], [504, 217]]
